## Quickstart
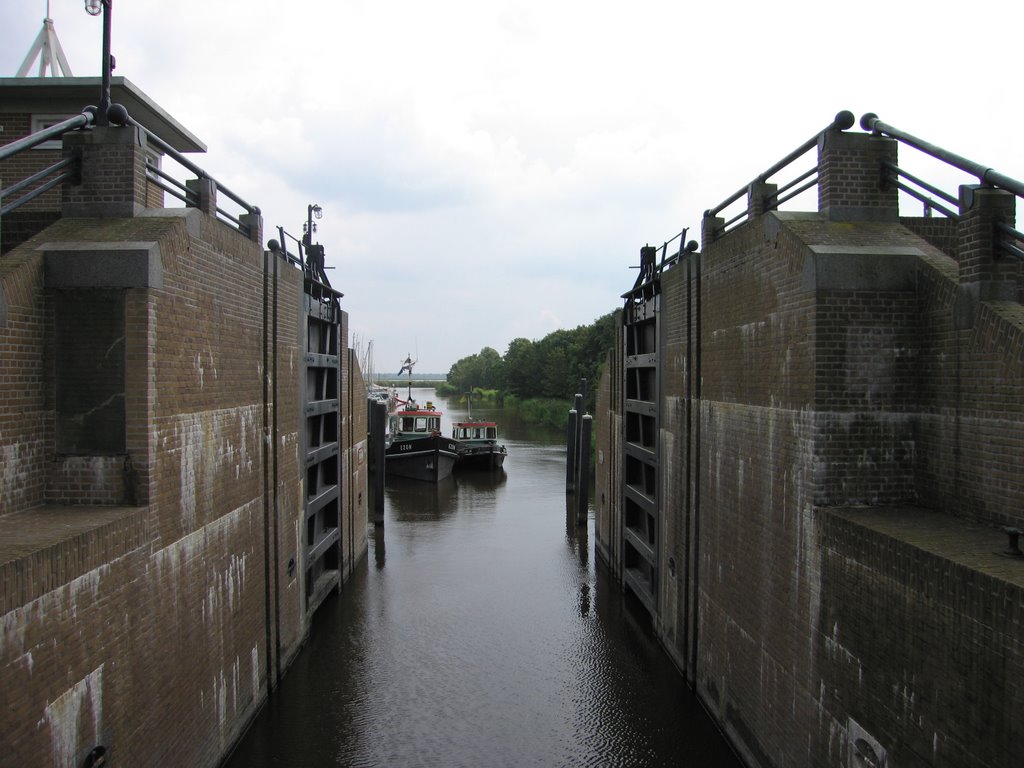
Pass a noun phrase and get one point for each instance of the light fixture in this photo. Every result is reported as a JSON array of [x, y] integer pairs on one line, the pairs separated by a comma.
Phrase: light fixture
[[312, 210], [93, 7]]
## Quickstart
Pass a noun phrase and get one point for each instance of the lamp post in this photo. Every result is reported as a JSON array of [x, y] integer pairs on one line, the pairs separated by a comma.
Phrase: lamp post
[[312, 210], [309, 228], [315, 260], [94, 8]]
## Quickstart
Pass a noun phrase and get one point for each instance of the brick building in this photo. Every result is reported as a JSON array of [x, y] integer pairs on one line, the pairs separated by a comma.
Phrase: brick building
[[809, 442], [182, 459], [30, 104]]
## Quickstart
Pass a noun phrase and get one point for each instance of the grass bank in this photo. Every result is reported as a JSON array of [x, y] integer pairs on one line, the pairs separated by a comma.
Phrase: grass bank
[[547, 411]]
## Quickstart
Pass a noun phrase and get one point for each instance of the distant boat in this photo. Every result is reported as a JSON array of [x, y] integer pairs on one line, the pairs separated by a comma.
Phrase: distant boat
[[478, 442], [381, 394], [478, 445], [415, 447]]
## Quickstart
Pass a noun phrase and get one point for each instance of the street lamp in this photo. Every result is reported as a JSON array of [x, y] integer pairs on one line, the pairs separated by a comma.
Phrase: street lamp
[[94, 8], [315, 259], [313, 210]]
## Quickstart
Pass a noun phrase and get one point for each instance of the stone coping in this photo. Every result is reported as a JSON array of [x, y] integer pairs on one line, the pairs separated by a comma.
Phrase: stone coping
[[972, 545], [44, 548]]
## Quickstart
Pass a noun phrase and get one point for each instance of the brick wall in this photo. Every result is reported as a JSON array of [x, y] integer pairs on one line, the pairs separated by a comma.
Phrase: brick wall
[[144, 628], [23, 443], [34, 216], [833, 479], [784, 610], [920, 627], [607, 435], [355, 460]]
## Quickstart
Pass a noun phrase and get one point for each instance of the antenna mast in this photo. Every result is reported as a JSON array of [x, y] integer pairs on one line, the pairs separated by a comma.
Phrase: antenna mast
[[47, 47]]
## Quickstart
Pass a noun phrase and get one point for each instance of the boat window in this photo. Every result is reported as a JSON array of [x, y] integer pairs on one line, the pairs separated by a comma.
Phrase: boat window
[[476, 433], [435, 423], [421, 424], [408, 423], [492, 432]]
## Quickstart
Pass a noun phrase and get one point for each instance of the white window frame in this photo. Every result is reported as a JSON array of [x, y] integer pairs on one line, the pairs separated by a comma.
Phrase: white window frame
[[39, 122]]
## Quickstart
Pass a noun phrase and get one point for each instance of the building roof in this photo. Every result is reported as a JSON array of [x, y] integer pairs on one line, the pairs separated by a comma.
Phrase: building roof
[[69, 95]]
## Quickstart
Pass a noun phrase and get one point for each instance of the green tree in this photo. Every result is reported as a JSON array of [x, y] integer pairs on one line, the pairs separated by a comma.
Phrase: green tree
[[486, 369], [522, 369], [549, 368]]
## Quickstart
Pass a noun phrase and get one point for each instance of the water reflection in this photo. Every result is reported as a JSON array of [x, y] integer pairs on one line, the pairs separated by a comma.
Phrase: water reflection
[[487, 637], [416, 501], [576, 533]]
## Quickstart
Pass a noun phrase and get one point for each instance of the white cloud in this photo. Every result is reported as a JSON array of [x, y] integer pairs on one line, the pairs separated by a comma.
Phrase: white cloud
[[525, 152]]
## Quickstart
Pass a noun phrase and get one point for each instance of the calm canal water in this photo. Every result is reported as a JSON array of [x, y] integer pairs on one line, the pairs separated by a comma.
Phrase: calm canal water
[[479, 632]]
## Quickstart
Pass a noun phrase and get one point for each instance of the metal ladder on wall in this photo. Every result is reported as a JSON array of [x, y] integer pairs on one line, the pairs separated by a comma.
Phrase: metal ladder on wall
[[322, 452], [641, 459]]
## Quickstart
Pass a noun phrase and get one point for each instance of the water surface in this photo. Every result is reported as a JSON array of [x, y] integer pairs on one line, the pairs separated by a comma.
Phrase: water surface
[[480, 632]]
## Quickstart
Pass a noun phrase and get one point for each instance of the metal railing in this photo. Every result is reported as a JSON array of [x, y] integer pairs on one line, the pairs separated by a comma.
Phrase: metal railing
[[285, 236], [181, 191], [1009, 240], [67, 169], [800, 184], [306, 263]]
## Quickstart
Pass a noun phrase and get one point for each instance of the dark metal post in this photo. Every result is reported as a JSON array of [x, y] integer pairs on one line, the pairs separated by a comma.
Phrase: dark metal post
[[570, 450], [309, 230], [378, 425], [94, 8], [107, 63], [583, 486]]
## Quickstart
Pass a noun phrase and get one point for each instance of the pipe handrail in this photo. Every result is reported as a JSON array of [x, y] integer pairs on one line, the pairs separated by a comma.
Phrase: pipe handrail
[[871, 123], [38, 176], [986, 175], [780, 195], [54, 131], [42, 188], [899, 172], [923, 198], [842, 121], [190, 166], [172, 186], [1011, 248]]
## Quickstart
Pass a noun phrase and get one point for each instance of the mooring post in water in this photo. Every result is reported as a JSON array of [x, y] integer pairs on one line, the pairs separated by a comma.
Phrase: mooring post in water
[[570, 450], [378, 426], [583, 486]]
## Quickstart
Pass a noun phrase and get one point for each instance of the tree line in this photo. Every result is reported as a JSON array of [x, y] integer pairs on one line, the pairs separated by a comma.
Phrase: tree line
[[549, 368]]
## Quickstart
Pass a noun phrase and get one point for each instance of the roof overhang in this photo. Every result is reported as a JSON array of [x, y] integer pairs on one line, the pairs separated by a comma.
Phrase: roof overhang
[[69, 95]]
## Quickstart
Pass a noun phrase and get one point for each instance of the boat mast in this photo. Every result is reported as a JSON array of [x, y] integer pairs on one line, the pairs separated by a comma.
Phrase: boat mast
[[407, 365]]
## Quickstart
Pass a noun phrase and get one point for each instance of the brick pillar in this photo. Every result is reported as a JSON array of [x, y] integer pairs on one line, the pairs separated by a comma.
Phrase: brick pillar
[[850, 177], [708, 225], [980, 260], [113, 178], [205, 189], [758, 194], [254, 221]]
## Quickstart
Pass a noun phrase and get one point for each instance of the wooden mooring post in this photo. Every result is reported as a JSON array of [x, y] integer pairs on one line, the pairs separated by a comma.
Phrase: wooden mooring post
[[378, 426], [571, 431], [583, 484], [577, 452]]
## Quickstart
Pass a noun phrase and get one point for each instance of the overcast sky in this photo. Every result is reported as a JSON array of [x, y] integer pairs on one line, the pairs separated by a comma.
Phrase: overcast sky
[[489, 169]]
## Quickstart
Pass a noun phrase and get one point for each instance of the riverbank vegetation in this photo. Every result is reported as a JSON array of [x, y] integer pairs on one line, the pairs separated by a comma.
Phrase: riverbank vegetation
[[538, 378]]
